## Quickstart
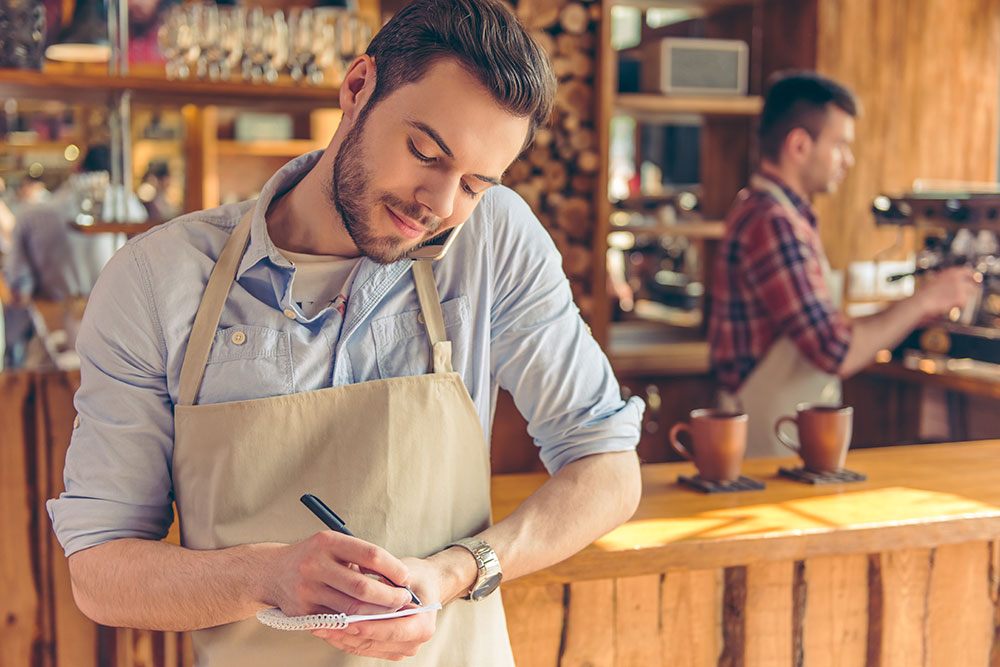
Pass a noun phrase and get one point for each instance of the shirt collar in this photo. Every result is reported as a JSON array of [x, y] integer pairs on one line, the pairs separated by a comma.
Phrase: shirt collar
[[801, 205], [260, 245]]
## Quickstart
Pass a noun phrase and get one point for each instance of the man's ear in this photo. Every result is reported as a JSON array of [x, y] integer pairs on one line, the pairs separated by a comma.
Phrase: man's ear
[[798, 144], [358, 86]]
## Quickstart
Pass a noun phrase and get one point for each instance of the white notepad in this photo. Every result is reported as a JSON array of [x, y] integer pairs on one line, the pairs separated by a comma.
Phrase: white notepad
[[275, 618]]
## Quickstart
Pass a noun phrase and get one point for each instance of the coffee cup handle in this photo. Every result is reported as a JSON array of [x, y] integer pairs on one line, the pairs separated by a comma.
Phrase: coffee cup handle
[[781, 438], [675, 443]]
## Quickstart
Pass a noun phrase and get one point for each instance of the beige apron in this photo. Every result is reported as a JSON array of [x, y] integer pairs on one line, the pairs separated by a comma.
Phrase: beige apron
[[402, 460], [784, 378]]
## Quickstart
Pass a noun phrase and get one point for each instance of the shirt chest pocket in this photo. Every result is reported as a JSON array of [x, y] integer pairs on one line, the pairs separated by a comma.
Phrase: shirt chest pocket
[[247, 362], [401, 344]]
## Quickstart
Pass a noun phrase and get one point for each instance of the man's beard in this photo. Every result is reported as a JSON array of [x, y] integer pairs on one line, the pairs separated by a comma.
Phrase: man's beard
[[349, 190]]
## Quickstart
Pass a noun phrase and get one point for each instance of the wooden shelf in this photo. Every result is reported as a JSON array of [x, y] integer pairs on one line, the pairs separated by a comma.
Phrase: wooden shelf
[[696, 7], [288, 148], [962, 383], [645, 103], [53, 146], [93, 87], [651, 201], [695, 230], [638, 348]]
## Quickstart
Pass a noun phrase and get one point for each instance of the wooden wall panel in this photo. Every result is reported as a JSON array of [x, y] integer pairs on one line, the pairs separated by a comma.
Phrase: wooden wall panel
[[534, 621], [637, 622], [768, 614], [75, 636], [590, 614], [20, 634], [905, 580], [927, 73], [835, 626], [960, 612], [691, 617]]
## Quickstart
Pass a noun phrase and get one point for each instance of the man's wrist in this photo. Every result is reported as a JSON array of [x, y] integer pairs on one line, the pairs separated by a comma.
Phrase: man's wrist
[[264, 559], [459, 571]]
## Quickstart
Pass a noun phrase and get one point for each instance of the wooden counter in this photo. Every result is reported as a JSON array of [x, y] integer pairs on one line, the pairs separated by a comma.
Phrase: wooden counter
[[973, 385], [902, 569]]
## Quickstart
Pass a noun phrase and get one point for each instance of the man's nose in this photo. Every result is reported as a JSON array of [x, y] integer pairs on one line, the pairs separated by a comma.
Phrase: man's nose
[[437, 195]]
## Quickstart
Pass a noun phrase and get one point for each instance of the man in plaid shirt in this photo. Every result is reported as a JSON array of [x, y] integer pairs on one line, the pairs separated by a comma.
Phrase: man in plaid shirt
[[776, 334]]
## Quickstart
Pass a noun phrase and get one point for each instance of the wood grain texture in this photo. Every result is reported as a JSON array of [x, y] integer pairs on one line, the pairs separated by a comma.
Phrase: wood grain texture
[[590, 615], [959, 608], [919, 496], [691, 617], [534, 622], [905, 589], [927, 75], [834, 629], [994, 592], [637, 620], [75, 635], [19, 603], [768, 614], [734, 602]]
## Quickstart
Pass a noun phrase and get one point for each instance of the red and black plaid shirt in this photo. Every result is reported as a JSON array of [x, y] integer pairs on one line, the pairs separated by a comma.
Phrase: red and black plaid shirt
[[767, 283]]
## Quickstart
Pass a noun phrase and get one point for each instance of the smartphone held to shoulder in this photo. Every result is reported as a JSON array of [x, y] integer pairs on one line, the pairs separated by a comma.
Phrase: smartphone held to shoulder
[[436, 247]]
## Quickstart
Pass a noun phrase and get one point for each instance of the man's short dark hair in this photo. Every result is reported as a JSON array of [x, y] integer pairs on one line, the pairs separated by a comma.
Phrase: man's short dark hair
[[799, 98], [483, 36], [98, 158]]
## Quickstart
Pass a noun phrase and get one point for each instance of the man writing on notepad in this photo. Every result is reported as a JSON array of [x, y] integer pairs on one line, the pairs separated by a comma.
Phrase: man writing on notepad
[[237, 358]]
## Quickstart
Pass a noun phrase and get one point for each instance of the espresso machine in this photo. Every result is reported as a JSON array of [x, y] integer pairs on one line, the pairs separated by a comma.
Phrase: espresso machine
[[953, 228]]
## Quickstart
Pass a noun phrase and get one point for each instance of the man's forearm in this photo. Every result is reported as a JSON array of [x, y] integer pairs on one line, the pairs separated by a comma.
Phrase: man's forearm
[[884, 330], [155, 585], [580, 503]]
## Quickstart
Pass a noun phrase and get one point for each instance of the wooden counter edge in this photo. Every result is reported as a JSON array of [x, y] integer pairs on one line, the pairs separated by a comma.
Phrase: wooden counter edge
[[953, 469], [593, 564]]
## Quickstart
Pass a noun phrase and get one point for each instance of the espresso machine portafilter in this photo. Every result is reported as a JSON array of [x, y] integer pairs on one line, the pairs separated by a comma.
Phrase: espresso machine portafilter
[[953, 229]]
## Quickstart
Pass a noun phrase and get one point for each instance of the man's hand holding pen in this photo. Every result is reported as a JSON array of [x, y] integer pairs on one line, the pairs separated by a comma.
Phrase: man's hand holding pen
[[323, 573]]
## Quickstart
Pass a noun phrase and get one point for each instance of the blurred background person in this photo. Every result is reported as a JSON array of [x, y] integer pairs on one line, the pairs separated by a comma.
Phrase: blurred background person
[[51, 267], [31, 190]]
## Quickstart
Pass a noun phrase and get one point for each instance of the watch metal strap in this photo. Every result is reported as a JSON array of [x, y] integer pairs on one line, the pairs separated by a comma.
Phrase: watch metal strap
[[477, 548]]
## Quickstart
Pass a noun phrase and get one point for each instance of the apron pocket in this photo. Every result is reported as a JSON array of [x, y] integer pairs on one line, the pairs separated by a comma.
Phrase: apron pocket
[[401, 344], [247, 362]]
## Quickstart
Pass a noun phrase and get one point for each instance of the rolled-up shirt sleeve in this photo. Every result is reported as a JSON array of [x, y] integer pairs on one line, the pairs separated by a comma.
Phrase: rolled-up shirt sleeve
[[786, 272], [117, 473], [543, 353]]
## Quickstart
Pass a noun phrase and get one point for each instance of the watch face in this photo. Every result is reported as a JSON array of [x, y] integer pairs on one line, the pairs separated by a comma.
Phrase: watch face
[[488, 586]]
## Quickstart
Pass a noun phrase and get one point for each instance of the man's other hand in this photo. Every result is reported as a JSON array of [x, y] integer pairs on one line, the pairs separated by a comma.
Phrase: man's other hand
[[398, 638], [948, 289]]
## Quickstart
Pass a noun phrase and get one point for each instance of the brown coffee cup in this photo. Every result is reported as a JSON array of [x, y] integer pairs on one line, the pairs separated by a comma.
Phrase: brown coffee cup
[[718, 442], [824, 435]]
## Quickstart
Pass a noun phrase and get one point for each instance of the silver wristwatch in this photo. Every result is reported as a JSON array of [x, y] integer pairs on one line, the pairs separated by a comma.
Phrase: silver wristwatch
[[490, 573]]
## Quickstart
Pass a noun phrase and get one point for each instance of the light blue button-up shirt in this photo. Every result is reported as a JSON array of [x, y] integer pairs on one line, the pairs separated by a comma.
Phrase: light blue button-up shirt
[[507, 308]]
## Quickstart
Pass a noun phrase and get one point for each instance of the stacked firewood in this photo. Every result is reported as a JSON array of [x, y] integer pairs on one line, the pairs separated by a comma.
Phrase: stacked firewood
[[557, 174]]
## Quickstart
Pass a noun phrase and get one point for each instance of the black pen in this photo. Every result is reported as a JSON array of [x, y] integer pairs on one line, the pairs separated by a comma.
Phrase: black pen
[[334, 522]]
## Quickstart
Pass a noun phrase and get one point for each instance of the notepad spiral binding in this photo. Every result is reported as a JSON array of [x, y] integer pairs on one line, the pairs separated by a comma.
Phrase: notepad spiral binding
[[274, 618]]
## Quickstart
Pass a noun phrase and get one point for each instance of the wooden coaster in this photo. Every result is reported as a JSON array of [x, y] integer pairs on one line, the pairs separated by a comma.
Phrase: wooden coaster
[[706, 486], [809, 477]]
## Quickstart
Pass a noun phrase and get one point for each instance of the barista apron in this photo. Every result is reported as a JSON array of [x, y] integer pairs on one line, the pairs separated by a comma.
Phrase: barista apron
[[403, 460], [783, 379]]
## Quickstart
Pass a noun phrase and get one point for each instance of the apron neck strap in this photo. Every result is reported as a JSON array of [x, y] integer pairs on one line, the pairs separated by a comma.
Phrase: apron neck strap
[[430, 307], [206, 321], [766, 184], [210, 311]]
